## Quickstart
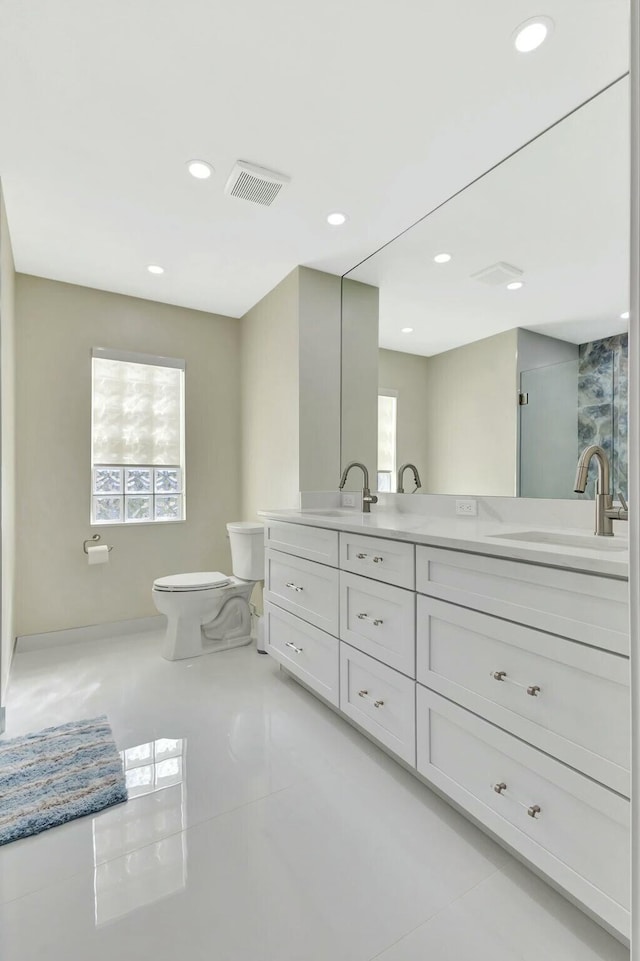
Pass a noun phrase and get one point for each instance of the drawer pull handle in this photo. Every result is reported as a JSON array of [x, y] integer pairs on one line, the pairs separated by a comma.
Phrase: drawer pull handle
[[533, 810], [532, 689], [376, 621], [361, 557], [366, 694], [298, 650], [378, 560], [293, 587]]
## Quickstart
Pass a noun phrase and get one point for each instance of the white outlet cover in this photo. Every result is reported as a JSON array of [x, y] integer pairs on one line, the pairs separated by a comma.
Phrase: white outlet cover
[[467, 508]]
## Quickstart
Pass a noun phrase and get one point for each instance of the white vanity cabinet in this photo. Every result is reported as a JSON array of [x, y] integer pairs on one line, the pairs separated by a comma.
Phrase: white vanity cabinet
[[503, 683]]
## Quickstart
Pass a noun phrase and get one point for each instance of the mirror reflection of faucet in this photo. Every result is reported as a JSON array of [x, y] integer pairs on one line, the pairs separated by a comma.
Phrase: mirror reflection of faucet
[[367, 497], [416, 478], [606, 513]]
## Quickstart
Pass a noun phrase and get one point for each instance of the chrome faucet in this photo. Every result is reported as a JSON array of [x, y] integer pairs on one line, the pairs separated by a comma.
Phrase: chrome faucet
[[416, 478], [367, 497], [606, 513]]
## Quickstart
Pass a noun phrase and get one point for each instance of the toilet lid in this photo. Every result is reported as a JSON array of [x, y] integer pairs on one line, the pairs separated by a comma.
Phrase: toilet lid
[[199, 581]]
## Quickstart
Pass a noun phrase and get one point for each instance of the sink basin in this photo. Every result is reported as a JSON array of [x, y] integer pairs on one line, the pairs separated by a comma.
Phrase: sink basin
[[331, 512], [586, 541]]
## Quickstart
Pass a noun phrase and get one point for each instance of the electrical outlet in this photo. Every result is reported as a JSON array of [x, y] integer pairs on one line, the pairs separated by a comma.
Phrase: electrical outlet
[[466, 508], [348, 500]]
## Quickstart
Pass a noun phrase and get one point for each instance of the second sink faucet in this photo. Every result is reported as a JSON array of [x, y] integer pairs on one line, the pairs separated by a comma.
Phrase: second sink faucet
[[416, 478], [606, 513], [367, 497]]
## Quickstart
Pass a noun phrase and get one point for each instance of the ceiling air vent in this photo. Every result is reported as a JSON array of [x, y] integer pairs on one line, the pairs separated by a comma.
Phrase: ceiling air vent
[[497, 274], [257, 184]]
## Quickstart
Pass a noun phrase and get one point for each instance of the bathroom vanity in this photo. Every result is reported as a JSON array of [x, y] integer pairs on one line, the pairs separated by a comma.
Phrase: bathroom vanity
[[491, 661]]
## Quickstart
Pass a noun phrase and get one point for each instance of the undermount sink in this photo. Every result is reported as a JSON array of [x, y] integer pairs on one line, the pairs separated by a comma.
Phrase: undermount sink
[[586, 541]]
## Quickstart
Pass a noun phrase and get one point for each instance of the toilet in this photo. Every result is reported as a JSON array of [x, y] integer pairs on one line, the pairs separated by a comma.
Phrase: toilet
[[208, 611]]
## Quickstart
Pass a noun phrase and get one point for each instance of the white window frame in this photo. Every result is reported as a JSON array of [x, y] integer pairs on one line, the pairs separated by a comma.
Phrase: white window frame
[[154, 361]]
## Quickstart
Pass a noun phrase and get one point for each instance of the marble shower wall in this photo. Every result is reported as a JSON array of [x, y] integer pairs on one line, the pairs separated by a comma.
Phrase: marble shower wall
[[602, 404]]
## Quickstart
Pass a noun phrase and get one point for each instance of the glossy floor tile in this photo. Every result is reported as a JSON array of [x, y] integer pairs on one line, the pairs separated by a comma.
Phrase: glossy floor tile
[[260, 826]]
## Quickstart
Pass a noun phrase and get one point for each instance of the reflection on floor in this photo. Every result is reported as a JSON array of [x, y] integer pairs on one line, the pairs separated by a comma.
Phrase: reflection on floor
[[151, 871], [280, 835]]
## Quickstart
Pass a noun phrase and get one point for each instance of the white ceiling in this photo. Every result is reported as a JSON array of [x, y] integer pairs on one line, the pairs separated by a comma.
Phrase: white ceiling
[[558, 210], [379, 109]]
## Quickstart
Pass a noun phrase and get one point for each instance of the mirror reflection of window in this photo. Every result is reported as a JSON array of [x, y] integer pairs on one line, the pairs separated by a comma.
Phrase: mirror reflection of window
[[387, 439]]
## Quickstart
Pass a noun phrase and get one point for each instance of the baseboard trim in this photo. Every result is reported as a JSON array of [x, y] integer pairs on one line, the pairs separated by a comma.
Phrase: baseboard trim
[[93, 632]]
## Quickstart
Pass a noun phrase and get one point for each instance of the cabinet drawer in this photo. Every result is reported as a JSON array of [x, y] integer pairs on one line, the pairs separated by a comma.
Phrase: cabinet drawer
[[389, 561], [379, 620], [380, 700], [312, 543], [586, 607], [303, 588], [579, 834], [310, 654], [565, 698]]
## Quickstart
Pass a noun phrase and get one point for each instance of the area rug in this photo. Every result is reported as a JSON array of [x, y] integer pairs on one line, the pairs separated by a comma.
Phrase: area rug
[[56, 775]]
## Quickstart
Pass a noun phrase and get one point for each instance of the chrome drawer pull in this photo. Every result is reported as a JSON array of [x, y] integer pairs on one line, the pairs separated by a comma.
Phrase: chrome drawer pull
[[361, 557], [532, 689], [294, 587], [366, 694], [533, 810], [378, 560], [376, 621], [298, 650]]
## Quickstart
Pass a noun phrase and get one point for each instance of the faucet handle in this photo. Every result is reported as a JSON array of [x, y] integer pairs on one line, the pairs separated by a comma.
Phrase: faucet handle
[[625, 506]]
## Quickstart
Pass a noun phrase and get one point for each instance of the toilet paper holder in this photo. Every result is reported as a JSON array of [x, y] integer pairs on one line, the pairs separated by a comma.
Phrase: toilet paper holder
[[93, 540]]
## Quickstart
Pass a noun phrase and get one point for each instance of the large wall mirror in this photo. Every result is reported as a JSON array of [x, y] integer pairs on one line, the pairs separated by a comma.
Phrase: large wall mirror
[[487, 344]]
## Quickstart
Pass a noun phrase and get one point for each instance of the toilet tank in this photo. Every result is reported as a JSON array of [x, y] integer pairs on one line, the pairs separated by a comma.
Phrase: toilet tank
[[247, 549]]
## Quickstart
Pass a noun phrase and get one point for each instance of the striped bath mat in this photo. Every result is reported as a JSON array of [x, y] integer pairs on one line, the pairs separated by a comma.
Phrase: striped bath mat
[[56, 775]]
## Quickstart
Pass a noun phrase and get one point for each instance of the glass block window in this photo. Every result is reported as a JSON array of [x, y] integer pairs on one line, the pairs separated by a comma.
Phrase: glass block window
[[137, 438]]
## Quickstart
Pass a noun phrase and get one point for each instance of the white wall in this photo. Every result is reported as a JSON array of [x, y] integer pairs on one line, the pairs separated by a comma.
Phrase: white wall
[[270, 396], [472, 418], [408, 375], [57, 325], [7, 448]]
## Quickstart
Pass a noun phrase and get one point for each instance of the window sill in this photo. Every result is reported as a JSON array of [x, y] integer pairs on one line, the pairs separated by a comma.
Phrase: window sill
[[182, 520]]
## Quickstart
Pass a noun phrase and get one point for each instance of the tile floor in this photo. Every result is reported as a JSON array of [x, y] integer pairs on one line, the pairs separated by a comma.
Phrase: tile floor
[[261, 827]]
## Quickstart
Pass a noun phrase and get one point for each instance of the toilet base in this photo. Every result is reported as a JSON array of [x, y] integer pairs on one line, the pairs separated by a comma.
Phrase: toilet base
[[186, 636]]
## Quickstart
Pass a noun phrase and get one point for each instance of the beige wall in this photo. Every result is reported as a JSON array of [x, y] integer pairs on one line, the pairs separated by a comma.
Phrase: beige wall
[[58, 324], [7, 447], [319, 353], [470, 388], [408, 375], [359, 379], [270, 391]]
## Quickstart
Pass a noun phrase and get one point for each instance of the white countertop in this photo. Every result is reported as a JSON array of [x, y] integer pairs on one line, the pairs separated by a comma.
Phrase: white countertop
[[478, 537]]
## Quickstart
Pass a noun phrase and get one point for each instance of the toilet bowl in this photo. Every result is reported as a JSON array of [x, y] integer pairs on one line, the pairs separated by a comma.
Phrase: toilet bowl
[[208, 611]]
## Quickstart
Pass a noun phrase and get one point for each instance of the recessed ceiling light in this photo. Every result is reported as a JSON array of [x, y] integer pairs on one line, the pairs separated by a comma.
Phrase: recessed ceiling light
[[336, 219], [406, 330], [530, 34], [515, 285], [625, 316], [442, 258], [155, 269], [199, 169]]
